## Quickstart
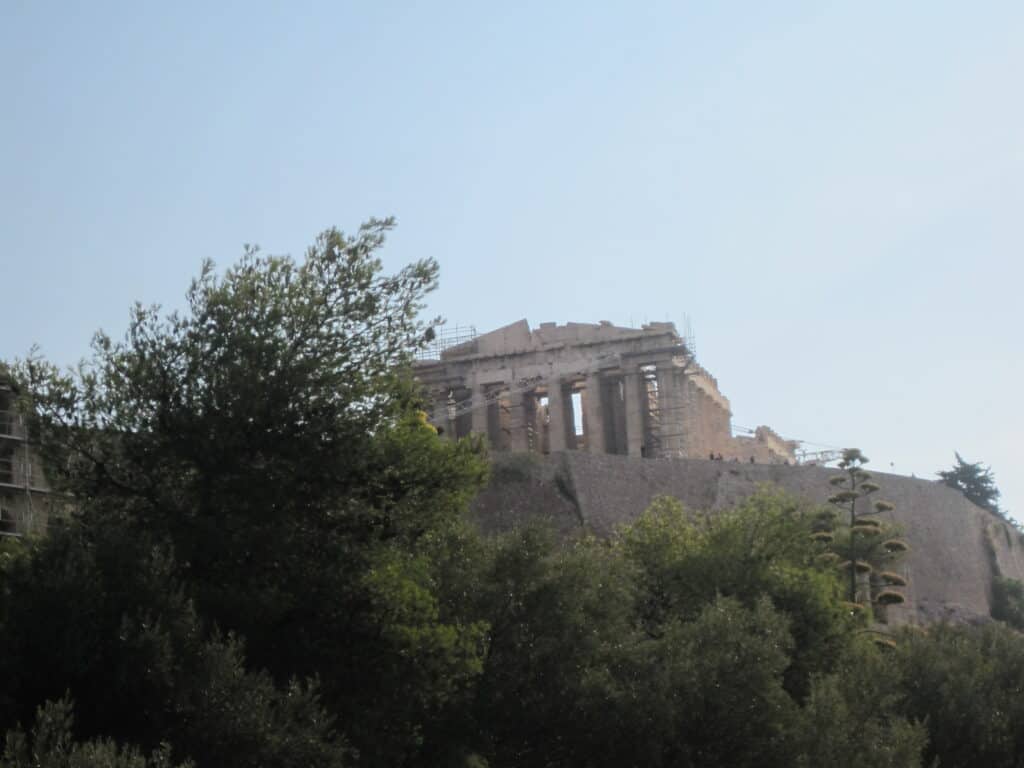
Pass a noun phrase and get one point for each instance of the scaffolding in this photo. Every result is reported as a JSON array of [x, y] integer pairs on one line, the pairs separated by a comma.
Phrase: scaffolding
[[688, 337], [818, 458], [15, 469], [445, 337], [654, 427], [21, 478]]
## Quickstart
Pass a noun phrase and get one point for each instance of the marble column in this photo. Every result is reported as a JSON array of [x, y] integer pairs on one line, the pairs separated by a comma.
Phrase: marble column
[[670, 406], [635, 403], [556, 416], [515, 421], [593, 407], [480, 408], [440, 417]]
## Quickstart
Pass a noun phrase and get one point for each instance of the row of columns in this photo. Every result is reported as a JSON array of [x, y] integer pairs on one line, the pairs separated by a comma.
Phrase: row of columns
[[616, 413]]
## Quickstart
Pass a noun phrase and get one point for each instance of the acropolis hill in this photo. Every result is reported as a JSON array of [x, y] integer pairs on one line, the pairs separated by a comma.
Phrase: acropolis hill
[[591, 422]]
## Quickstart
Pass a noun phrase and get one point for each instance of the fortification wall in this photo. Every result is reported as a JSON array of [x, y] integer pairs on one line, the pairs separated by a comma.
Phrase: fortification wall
[[955, 545]]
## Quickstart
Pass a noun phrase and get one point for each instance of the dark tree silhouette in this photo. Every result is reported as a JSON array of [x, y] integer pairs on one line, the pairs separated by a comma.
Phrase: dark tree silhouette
[[975, 482]]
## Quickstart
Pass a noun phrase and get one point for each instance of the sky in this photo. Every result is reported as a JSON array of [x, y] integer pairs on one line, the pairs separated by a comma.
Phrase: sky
[[831, 192]]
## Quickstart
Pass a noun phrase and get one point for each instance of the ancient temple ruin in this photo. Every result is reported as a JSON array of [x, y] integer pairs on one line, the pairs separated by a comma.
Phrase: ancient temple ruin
[[597, 388]]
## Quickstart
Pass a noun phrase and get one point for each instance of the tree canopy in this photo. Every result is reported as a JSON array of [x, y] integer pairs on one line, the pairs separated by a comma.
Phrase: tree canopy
[[254, 492], [974, 481]]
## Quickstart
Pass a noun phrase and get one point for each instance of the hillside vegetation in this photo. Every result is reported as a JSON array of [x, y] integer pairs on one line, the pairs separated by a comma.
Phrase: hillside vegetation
[[271, 565]]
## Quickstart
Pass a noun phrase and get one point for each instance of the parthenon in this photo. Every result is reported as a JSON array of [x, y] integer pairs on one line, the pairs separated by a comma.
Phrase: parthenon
[[593, 387]]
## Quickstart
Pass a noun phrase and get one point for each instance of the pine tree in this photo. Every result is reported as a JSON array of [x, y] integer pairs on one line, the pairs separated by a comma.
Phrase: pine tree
[[975, 482]]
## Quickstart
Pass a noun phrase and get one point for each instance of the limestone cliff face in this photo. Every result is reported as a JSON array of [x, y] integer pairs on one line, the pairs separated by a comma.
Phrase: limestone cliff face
[[956, 547]]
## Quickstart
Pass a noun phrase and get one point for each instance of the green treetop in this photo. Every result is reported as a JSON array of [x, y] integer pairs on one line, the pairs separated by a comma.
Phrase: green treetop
[[975, 482]]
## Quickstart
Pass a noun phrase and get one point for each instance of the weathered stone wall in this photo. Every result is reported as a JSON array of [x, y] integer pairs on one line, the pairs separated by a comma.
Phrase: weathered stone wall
[[708, 423], [764, 447], [955, 545]]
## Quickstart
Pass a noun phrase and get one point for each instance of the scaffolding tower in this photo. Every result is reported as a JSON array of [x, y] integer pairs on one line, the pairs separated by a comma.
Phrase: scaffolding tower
[[22, 484]]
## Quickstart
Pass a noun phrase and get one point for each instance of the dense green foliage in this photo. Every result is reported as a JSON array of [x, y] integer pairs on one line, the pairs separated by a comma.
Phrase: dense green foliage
[[966, 683], [269, 565], [1008, 601], [52, 746], [974, 481]]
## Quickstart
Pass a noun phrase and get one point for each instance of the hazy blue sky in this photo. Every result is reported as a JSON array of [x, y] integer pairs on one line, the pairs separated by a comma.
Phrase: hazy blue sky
[[833, 192]]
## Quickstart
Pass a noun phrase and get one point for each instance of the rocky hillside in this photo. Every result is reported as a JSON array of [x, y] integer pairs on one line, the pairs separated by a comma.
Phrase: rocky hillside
[[956, 550]]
